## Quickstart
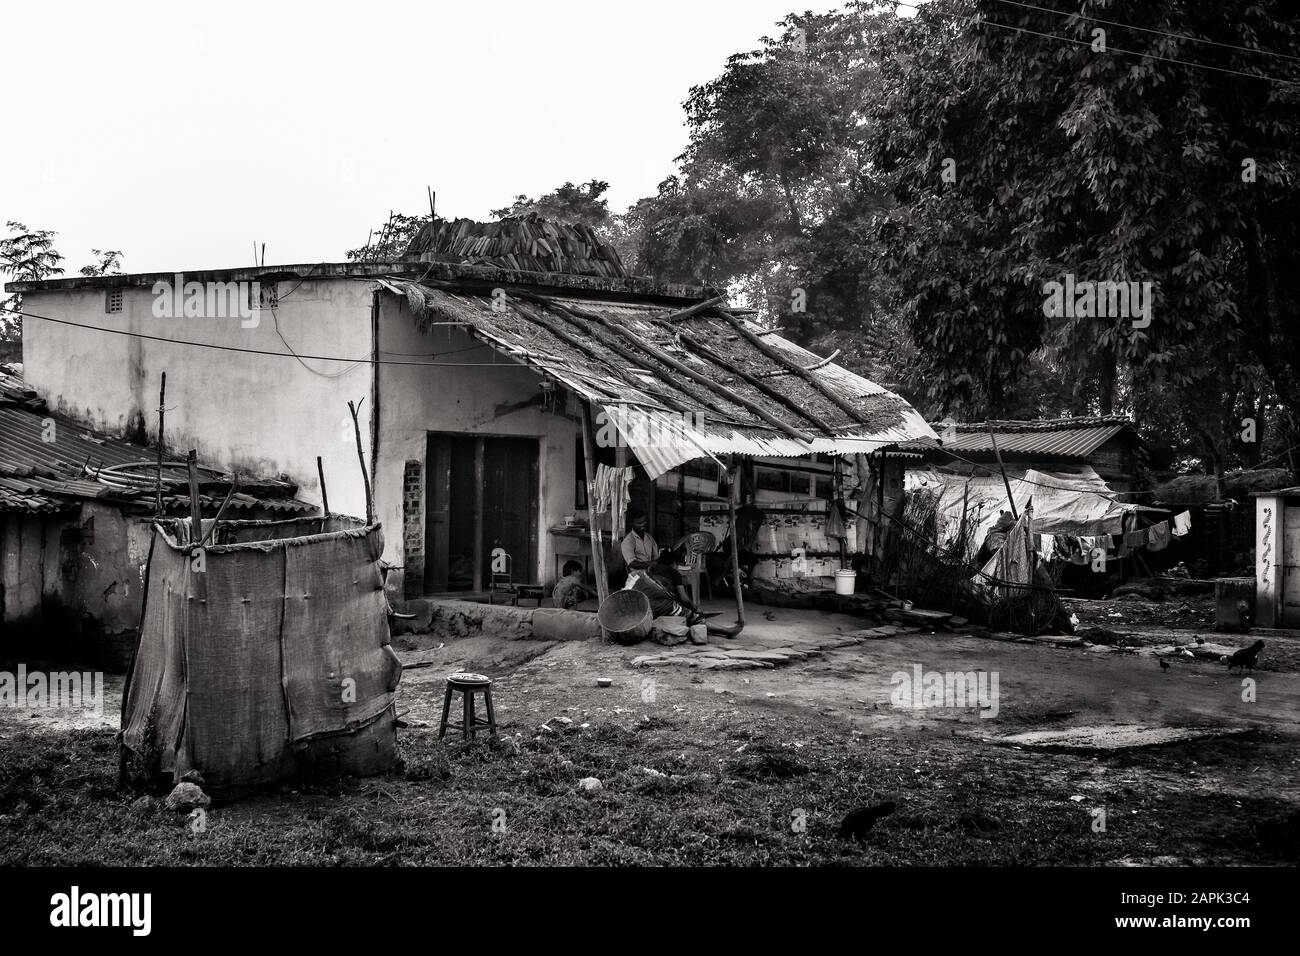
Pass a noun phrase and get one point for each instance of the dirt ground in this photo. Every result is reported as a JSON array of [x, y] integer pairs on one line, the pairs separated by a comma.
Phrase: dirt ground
[[731, 766]]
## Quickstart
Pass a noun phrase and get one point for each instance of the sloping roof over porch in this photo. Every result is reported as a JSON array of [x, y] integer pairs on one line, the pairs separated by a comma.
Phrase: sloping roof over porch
[[623, 357]]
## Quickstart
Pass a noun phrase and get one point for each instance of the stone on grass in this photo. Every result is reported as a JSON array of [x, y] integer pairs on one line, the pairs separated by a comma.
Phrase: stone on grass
[[185, 797], [590, 784]]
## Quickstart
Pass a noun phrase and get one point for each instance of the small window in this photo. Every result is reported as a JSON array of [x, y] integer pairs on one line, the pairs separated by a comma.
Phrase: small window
[[113, 300]]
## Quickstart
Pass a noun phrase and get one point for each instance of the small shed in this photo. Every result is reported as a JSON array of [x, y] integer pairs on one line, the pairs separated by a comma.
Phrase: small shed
[[263, 656]]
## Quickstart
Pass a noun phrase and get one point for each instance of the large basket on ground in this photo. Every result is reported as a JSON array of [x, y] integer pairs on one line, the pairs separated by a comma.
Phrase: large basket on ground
[[263, 657], [625, 617]]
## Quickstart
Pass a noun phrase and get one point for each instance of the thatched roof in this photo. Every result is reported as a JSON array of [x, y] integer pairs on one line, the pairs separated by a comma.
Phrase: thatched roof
[[528, 243]]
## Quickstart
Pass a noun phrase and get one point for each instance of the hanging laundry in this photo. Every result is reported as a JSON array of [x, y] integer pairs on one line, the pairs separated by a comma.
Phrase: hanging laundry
[[1136, 539], [1046, 546], [1158, 536], [1182, 523], [1072, 549]]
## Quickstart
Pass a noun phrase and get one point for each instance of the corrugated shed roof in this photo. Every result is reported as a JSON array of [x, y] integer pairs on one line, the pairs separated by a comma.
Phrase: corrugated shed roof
[[1061, 438], [48, 462], [574, 342]]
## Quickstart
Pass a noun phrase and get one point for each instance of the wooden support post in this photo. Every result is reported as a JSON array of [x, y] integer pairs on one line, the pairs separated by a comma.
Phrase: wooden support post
[[861, 524], [735, 544], [198, 581], [880, 510], [480, 449], [196, 509], [162, 410], [365, 475], [1006, 483], [324, 494], [589, 460]]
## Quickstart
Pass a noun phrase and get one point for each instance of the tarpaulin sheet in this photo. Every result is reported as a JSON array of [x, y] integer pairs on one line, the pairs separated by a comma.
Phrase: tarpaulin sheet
[[277, 642], [1074, 504]]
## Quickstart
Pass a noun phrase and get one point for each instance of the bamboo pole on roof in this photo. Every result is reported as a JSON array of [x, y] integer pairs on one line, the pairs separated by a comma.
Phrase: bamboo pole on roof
[[786, 363], [717, 359], [679, 366]]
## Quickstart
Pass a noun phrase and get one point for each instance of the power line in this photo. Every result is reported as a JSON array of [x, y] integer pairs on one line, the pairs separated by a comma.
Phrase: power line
[[1115, 49], [234, 348], [1130, 26]]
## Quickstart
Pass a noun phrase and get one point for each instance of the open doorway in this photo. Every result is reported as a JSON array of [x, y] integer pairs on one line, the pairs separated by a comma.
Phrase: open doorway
[[481, 493]]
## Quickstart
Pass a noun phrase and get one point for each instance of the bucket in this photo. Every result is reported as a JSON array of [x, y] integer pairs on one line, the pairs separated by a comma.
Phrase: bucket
[[845, 581], [626, 617]]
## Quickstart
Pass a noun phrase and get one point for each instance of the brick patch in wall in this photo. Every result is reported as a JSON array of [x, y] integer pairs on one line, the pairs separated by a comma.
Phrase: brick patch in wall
[[413, 528]]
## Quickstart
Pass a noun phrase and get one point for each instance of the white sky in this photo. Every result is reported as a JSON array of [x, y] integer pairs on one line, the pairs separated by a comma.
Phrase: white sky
[[180, 133]]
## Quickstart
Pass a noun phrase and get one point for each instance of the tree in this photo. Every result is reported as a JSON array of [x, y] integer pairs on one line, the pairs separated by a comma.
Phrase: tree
[[585, 204], [388, 242], [26, 255], [1068, 158], [107, 262]]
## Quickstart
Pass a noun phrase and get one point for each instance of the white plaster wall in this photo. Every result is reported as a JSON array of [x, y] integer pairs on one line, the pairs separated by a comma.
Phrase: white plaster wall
[[415, 400], [263, 414]]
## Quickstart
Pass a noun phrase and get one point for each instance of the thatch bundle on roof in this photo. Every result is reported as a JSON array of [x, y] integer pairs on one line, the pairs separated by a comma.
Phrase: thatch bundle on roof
[[527, 243]]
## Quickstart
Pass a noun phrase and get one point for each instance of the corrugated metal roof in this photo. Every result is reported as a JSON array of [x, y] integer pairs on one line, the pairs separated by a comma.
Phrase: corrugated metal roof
[[1077, 442], [1063, 438], [648, 394], [44, 459]]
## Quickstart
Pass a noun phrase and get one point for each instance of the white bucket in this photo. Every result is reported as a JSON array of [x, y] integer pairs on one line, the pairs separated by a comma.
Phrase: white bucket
[[845, 581]]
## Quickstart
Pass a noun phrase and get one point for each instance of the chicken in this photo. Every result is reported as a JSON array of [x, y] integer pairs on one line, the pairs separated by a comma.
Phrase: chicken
[[1164, 666], [1246, 657], [856, 824]]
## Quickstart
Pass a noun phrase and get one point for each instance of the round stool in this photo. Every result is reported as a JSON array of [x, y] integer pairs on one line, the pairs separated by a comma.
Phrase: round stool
[[468, 685]]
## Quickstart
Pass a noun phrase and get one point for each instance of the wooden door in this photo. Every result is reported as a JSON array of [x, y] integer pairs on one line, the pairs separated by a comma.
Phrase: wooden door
[[480, 493], [510, 492], [1291, 567]]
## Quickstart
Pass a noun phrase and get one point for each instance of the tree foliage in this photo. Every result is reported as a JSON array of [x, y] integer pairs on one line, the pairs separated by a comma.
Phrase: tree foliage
[[26, 255]]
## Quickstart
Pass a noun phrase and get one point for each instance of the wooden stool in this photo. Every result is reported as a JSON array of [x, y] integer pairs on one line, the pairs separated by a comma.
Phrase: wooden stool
[[469, 685]]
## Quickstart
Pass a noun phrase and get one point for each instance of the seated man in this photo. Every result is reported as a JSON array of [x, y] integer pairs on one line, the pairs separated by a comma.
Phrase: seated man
[[570, 590], [641, 553]]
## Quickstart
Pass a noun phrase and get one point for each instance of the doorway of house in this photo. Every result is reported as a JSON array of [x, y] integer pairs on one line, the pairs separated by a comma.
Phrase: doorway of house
[[481, 493]]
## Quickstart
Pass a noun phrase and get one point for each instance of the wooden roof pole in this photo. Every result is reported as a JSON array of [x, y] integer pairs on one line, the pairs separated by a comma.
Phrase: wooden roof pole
[[677, 365], [793, 366], [700, 348], [1001, 467], [692, 309], [636, 361], [573, 341]]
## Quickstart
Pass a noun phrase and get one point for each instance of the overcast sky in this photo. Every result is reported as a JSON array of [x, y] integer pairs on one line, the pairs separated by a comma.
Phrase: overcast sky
[[181, 133]]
